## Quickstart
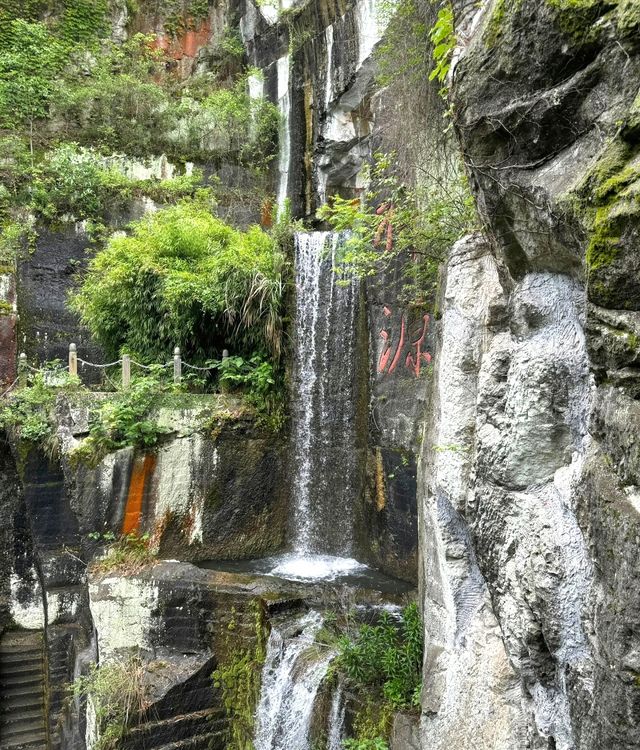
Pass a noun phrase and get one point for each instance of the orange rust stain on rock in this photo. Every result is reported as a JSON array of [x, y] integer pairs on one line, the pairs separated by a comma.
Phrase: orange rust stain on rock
[[142, 469], [187, 43]]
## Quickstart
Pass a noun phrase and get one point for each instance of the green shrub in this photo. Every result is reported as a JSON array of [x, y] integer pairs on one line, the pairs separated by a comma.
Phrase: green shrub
[[185, 278], [377, 743], [31, 58], [119, 102], [418, 225], [227, 124], [387, 657], [443, 38], [28, 413], [76, 181], [69, 181], [123, 419], [261, 383]]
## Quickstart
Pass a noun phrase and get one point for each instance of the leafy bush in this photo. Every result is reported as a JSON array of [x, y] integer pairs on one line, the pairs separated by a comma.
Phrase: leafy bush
[[118, 102], [443, 38], [261, 383], [29, 412], [118, 694], [185, 278], [417, 224], [377, 743], [76, 181], [31, 58], [69, 181], [227, 123], [123, 419], [387, 657]]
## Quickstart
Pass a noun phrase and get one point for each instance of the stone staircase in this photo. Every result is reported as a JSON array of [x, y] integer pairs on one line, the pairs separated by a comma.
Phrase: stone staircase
[[22, 703], [200, 730]]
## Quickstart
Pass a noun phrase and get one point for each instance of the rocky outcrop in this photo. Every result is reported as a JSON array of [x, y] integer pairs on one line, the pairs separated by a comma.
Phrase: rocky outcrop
[[530, 512]]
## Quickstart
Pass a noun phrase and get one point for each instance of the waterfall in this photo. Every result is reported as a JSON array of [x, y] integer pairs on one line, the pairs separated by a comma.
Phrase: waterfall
[[369, 28], [292, 674], [336, 720], [284, 156], [325, 400], [328, 35]]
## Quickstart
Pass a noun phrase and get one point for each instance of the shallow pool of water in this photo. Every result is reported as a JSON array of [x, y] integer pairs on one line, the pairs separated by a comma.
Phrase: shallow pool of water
[[314, 568]]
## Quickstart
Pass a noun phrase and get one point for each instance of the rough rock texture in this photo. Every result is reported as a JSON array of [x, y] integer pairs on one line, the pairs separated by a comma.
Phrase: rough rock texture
[[530, 514], [45, 278], [214, 487]]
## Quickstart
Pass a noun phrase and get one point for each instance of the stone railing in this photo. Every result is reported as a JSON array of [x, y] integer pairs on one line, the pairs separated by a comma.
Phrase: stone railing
[[125, 363]]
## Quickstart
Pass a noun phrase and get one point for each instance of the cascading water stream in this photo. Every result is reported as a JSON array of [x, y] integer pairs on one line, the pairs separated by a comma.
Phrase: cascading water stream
[[284, 156], [336, 720], [291, 677], [325, 396]]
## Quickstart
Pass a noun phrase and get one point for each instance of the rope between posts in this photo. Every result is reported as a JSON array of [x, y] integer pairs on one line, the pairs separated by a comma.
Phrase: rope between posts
[[150, 367], [100, 367], [47, 370], [201, 369]]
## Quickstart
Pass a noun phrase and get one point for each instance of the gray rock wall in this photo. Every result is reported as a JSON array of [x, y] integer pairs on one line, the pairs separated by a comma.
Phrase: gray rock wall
[[530, 518]]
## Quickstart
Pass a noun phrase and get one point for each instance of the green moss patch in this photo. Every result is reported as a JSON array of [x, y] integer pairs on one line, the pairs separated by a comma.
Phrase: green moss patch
[[577, 18], [609, 200], [502, 13]]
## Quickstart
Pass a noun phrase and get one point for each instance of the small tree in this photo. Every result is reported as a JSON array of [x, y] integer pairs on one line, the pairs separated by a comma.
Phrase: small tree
[[30, 60]]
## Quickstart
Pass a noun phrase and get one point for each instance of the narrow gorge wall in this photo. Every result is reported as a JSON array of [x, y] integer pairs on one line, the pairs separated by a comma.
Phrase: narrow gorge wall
[[530, 520]]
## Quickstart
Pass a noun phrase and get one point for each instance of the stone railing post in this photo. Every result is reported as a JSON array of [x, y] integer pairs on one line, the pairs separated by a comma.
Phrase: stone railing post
[[73, 359], [177, 365], [22, 371], [126, 371]]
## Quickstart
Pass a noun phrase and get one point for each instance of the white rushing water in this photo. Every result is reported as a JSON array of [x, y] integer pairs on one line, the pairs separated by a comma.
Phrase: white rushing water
[[292, 674], [336, 719], [284, 155], [328, 35], [308, 262], [325, 469], [370, 27]]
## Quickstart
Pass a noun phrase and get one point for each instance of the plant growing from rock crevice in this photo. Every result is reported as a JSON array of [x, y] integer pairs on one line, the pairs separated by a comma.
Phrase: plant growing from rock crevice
[[117, 695]]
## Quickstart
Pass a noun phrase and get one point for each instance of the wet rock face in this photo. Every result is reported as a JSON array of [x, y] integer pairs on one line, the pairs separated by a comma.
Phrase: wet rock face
[[542, 89], [532, 495], [203, 493]]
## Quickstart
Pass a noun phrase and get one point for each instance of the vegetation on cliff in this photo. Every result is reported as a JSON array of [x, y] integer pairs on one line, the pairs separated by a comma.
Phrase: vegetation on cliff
[[417, 202], [80, 114], [118, 694], [184, 277]]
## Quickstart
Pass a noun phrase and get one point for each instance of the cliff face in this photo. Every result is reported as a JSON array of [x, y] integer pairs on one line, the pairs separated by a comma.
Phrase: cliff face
[[524, 430], [530, 505]]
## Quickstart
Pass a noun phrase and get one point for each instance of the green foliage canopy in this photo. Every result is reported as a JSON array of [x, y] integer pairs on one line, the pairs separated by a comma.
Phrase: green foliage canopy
[[185, 278]]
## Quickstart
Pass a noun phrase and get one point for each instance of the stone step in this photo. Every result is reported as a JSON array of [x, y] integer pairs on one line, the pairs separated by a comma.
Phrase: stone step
[[35, 689], [20, 658], [22, 675], [26, 715], [24, 700], [34, 740], [27, 676], [157, 734]]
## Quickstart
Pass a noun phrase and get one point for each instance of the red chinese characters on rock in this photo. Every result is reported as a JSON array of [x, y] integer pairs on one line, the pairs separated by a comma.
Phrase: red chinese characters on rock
[[413, 351]]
